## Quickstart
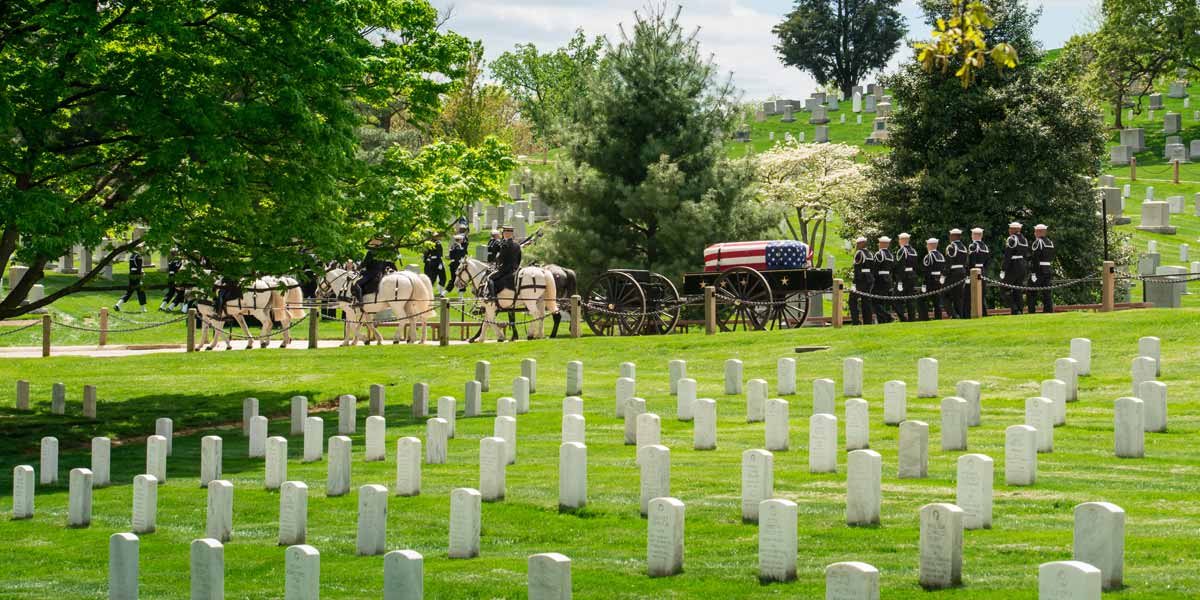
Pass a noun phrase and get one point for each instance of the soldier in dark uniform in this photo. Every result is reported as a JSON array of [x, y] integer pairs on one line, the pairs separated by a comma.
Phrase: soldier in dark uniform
[[1041, 270], [373, 269], [435, 269], [508, 263], [458, 251], [906, 278], [493, 247], [1013, 269], [135, 282], [980, 256], [864, 280], [935, 268], [884, 261], [957, 256], [174, 296]]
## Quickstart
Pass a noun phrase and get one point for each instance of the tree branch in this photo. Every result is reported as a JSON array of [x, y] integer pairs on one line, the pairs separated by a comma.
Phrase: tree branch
[[11, 305]]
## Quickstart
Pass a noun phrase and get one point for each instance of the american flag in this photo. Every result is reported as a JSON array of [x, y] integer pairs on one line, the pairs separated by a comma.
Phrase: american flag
[[761, 255]]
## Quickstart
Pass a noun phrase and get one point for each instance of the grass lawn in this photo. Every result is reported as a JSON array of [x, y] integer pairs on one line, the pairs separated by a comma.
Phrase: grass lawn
[[203, 393]]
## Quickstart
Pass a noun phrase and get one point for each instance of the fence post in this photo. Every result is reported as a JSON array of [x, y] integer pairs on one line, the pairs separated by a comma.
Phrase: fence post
[[45, 335], [314, 327], [838, 287], [1133, 168], [444, 322], [1175, 163], [576, 315], [103, 326], [976, 293], [191, 330], [710, 310], [1108, 278]]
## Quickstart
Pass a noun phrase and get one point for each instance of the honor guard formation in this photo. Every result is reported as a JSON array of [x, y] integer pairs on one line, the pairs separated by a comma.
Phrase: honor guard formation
[[903, 283]]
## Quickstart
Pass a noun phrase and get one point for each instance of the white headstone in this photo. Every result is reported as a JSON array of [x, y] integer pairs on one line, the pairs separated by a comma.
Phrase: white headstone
[[913, 457], [493, 458], [211, 448], [22, 394], [145, 504], [1100, 540], [1020, 455], [549, 577], [123, 566], [473, 399], [685, 399], [1039, 414], [275, 470], [758, 482], [575, 378], [293, 513], [23, 492], [851, 581], [858, 424], [974, 485], [58, 399], [420, 400], [347, 419], [864, 477], [529, 371], [447, 410], [941, 546], [483, 374], [756, 400], [852, 377], [1056, 391], [49, 461], [785, 376], [372, 520], [649, 430], [626, 389], [573, 429], [733, 377], [969, 390], [208, 570], [302, 573], [219, 522], [156, 457], [777, 540], [1081, 351], [954, 424], [704, 426], [314, 438], [633, 408], [408, 466], [437, 432], [822, 443], [572, 405], [378, 400], [257, 446], [1153, 395], [1067, 371], [927, 378], [338, 472], [506, 407], [664, 538], [628, 370], [1069, 580], [572, 475], [676, 370], [777, 436], [101, 462], [465, 509], [824, 396], [1151, 346], [89, 400], [505, 428], [895, 402], [521, 394], [403, 575], [1144, 369], [655, 467], [1129, 427], [299, 413], [79, 498], [249, 411]]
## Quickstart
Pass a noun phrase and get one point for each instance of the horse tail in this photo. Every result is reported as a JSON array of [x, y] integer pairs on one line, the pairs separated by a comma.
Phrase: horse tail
[[424, 285], [550, 298]]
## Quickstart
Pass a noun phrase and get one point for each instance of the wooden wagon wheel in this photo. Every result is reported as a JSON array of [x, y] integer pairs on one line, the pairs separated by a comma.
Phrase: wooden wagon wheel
[[616, 292], [668, 309], [736, 288], [792, 313]]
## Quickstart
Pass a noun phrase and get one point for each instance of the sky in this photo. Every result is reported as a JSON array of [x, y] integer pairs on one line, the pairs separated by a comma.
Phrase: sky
[[736, 32]]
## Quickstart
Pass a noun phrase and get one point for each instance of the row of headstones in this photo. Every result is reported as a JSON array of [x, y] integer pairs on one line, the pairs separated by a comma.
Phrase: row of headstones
[[1133, 140], [1114, 199], [58, 398], [549, 575]]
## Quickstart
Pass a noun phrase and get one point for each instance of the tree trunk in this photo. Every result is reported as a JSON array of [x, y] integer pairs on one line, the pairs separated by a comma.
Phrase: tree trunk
[[1119, 108], [11, 305]]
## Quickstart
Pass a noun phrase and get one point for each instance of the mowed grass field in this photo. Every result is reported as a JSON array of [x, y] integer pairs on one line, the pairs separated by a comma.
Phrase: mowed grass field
[[607, 540]]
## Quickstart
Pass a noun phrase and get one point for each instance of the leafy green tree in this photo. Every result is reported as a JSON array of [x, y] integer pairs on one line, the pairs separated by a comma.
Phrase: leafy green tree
[[545, 84], [1015, 145], [647, 183], [839, 42], [476, 109], [227, 128], [968, 35]]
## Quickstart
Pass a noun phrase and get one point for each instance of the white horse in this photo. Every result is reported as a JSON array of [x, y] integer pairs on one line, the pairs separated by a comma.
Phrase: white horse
[[269, 299], [408, 295], [536, 291]]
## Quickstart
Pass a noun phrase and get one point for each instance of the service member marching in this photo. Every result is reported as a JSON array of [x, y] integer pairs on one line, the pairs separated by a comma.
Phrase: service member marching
[[435, 270], [864, 280], [906, 278], [957, 255], [1013, 269], [980, 256], [883, 279], [935, 275], [135, 282], [1041, 270]]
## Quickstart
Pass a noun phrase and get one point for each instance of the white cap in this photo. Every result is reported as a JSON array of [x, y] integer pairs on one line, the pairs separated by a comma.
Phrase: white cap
[[931, 241], [860, 239], [1040, 227], [495, 232], [904, 236], [884, 238], [1014, 225], [458, 236], [956, 231], [977, 230]]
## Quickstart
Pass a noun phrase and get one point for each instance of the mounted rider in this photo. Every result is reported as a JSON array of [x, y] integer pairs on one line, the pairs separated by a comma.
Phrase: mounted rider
[[373, 269], [458, 251], [508, 262], [493, 246]]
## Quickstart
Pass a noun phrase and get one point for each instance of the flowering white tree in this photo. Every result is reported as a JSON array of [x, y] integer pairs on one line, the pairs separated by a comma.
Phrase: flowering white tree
[[814, 180]]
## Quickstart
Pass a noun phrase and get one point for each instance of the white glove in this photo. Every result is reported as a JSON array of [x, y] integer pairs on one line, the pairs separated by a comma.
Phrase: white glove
[[942, 280], [899, 287], [1033, 278], [923, 290], [1001, 274], [853, 288]]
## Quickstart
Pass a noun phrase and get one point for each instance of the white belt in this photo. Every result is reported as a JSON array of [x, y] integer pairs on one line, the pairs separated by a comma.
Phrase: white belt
[[865, 271], [956, 266], [884, 272], [935, 272], [1017, 258], [979, 266], [1044, 264], [907, 269]]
